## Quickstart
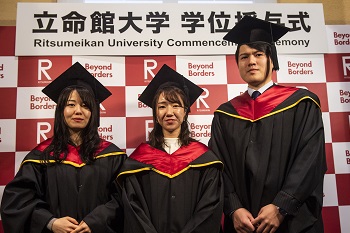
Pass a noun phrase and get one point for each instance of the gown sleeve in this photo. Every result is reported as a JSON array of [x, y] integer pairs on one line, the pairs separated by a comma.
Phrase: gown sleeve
[[208, 211], [218, 146], [136, 213], [108, 217], [304, 180], [23, 208]]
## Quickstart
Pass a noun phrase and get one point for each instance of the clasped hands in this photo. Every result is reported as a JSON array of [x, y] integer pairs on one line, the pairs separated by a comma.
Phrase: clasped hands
[[267, 221], [69, 225]]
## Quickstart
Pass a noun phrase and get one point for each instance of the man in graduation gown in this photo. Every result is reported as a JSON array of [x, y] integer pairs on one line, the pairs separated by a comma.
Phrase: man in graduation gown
[[272, 145], [171, 187]]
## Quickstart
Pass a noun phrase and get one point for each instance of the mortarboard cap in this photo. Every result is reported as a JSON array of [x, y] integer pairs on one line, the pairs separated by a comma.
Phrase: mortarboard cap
[[76, 75], [251, 29], [166, 76]]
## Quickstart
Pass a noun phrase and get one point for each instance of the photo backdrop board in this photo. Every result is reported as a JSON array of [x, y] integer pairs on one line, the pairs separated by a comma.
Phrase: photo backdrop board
[[26, 115]]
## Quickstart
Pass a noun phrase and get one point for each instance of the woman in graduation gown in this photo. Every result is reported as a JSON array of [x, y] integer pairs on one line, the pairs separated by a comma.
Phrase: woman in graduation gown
[[172, 183], [67, 183]]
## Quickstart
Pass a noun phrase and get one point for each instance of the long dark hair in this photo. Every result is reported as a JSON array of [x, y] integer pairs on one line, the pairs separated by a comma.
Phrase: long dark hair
[[58, 148], [262, 47], [173, 95]]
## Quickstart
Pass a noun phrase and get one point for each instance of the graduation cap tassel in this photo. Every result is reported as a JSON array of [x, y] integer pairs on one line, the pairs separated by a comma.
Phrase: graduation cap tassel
[[187, 92], [98, 113], [273, 51], [274, 57]]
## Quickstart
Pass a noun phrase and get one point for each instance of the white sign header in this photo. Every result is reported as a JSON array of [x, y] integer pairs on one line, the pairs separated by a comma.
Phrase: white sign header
[[157, 29]]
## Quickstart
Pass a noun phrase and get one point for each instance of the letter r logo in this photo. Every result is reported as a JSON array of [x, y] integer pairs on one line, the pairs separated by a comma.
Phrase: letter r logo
[[42, 129], [346, 65], [201, 98], [43, 66], [149, 66], [148, 127]]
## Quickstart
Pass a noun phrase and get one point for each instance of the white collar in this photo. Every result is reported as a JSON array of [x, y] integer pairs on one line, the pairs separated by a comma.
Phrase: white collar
[[171, 145], [261, 89]]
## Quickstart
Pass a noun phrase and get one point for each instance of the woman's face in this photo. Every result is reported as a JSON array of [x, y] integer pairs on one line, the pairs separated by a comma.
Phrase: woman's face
[[76, 113], [170, 116]]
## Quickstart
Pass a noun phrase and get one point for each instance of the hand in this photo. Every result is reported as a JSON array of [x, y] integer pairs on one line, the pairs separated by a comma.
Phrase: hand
[[64, 225], [268, 220], [242, 221], [83, 227]]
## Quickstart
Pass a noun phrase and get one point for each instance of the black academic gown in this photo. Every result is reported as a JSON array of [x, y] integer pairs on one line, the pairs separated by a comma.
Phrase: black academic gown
[[180, 192], [71, 188], [273, 150]]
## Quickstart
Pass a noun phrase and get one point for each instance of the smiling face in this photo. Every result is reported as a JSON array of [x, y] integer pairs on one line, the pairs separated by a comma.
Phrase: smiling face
[[170, 116], [253, 66], [76, 113]]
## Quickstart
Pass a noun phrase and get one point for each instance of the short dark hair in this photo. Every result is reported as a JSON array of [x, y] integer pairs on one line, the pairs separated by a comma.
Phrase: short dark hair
[[260, 46]]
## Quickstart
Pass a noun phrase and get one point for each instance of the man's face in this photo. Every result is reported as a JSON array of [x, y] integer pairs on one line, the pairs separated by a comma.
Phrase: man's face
[[252, 65]]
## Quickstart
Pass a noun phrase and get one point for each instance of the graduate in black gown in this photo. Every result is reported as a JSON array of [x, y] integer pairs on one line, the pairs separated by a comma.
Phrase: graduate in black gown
[[172, 183], [67, 183], [272, 146]]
